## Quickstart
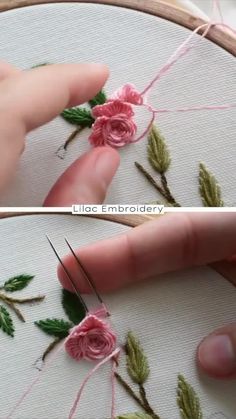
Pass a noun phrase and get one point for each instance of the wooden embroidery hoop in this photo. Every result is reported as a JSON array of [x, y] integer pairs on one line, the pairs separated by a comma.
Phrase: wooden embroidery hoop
[[157, 8], [224, 268]]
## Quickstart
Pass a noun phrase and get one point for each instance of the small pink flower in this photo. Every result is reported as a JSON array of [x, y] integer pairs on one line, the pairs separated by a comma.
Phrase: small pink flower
[[114, 125], [128, 93], [92, 339]]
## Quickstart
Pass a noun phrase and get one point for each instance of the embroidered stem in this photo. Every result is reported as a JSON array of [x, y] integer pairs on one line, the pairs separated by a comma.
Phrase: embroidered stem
[[163, 190], [16, 310], [23, 300], [146, 404], [129, 390], [50, 347], [63, 148], [168, 193], [150, 179]]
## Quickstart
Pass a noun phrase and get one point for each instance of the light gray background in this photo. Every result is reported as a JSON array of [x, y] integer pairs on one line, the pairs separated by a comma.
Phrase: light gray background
[[135, 46], [170, 314]]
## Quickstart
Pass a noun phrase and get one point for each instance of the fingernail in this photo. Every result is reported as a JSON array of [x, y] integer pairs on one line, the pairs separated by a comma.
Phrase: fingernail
[[217, 355]]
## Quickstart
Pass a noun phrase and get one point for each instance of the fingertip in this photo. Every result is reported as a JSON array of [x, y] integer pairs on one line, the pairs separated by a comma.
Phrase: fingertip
[[216, 356], [87, 180]]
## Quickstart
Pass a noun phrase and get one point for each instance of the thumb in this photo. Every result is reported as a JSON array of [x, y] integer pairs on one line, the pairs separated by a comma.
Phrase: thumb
[[217, 353]]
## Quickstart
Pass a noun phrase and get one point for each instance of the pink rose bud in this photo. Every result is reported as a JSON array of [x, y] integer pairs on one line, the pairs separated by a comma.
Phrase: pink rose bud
[[128, 93]]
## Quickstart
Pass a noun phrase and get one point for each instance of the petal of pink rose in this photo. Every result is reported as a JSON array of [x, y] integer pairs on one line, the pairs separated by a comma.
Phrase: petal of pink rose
[[92, 340], [96, 137], [112, 108], [128, 93]]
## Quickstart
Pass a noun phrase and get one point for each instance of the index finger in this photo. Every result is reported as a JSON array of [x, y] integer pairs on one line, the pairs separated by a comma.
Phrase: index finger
[[32, 98], [169, 243]]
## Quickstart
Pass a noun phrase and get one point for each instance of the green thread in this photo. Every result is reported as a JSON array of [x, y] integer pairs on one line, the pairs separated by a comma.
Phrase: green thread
[[72, 306], [58, 327], [129, 389], [17, 283], [50, 347], [138, 370], [55, 327], [159, 158], [6, 323], [187, 400], [209, 188], [137, 363], [99, 99], [13, 284], [158, 153], [16, 310], [61, 151], [78, 116]]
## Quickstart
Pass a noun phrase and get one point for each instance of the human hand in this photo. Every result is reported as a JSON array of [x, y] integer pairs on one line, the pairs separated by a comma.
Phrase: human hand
[[169, 243], [34, 97]]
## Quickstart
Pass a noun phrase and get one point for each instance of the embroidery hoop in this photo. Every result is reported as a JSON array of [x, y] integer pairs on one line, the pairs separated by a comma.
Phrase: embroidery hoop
[[168, 13], [157, 8], [131, 221]]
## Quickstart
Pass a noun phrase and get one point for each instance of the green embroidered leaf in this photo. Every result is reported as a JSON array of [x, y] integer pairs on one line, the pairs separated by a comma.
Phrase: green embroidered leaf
[[134, 416], [72, 306], [78, 116], [55, 327], [158, 153], [99, 99], [6, 323], [137, 363], [209, 189], [188, 400], [17, 283]]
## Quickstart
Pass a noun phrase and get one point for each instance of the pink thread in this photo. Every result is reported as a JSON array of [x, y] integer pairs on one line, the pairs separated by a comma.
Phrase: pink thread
[[147, 129], [113, 390], [182, 50], [114, 125], [92, 340], [35, 381], [101, 312], [78, 397], [216, 8], [194, 108], [113, 108], [128, 93]]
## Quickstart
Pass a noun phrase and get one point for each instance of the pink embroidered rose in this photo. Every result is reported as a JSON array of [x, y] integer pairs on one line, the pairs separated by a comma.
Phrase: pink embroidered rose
[[128, 93], [92, 339], [114, 125]]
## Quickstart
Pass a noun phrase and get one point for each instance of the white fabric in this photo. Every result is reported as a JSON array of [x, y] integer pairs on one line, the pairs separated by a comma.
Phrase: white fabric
[[170, 315], [134, 45]]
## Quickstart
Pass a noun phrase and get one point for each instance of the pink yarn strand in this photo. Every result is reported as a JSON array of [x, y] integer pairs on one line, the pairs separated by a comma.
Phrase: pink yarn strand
[[88, 376], [147, 129], [36, 380], [113, 378], [182, 50], [194, 108], [217, 9]]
